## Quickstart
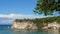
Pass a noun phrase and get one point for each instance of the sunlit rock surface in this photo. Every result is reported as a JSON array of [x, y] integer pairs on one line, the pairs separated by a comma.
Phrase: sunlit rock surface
[[24, 25]]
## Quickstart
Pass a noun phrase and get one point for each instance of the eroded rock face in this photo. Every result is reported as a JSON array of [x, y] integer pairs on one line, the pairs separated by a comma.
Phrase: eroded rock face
[[24, 25]]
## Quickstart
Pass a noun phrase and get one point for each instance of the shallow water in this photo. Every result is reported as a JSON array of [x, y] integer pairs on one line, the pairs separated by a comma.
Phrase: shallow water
[[29, 31], [23, 32], [4, 30], [53, 31]]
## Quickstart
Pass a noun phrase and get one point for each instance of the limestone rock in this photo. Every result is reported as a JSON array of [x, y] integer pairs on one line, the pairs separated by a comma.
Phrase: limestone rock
[[24, 25]]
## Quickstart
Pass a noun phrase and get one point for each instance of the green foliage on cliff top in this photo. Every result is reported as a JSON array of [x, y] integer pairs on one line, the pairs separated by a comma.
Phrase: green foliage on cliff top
[[41, 22]]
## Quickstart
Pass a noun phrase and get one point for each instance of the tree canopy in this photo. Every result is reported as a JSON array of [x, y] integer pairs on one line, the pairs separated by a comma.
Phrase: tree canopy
[[47, 7]]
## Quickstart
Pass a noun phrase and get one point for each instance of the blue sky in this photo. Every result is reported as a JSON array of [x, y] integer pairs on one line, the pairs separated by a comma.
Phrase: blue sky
[[18, 9], [17, 6]]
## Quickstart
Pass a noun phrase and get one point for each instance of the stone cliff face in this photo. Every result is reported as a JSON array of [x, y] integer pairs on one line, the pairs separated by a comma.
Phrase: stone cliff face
[[24, 25]]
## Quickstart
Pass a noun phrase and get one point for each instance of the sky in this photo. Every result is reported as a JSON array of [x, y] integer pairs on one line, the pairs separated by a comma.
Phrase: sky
[[14, 9], [21, 7], [18, 9], [17, 6]]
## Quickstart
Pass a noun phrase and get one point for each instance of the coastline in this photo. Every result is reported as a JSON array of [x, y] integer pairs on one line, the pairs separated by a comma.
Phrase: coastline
[[37, 23], [24, 25]]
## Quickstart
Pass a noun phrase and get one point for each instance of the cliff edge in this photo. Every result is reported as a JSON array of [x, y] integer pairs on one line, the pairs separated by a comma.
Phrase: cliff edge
[[24, 25]]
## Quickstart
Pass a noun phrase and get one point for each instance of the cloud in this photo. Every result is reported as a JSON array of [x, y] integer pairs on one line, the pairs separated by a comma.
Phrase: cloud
[[20, 16], [7, 15], [9, 18], [6, 21]]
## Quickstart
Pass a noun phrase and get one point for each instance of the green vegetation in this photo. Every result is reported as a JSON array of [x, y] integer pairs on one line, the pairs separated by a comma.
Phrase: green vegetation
[[41, 22], [47, 7]]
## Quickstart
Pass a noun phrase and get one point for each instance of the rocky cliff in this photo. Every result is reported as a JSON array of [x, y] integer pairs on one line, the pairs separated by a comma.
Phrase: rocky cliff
[[24, 25]]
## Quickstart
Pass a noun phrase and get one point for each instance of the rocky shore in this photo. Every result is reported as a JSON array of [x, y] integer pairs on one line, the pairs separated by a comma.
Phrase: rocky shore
[[24, 25], [38, 23]]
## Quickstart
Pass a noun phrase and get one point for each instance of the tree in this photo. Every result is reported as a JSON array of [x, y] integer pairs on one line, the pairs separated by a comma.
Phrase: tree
[[58, 19], [47, 7]]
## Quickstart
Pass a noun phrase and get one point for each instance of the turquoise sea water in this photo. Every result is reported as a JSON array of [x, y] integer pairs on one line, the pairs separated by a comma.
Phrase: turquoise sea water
[[4, 30], [22, 32]]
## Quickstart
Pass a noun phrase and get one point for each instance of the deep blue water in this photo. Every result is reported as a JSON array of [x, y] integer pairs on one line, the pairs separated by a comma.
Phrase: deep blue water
[[2, 27], [5, 30]]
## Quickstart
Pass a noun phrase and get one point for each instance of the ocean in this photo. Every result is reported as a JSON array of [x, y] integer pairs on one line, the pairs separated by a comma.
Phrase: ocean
[[2, 27], [6, 29]]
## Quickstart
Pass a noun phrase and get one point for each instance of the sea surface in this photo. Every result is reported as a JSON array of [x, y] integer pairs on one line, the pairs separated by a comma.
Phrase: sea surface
[[5, 29]]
